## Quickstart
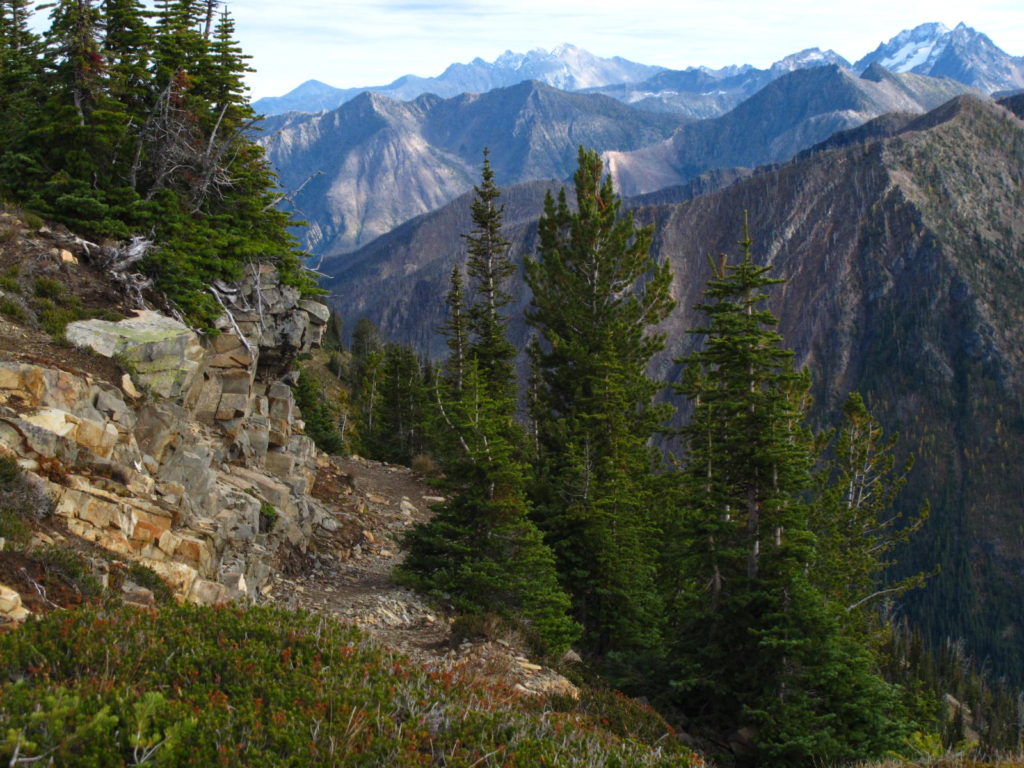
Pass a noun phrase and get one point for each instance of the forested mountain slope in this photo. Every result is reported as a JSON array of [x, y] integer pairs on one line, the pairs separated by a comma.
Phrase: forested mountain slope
[[904, 281]]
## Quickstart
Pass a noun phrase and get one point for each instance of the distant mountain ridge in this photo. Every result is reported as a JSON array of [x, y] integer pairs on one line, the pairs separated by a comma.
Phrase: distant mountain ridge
[[566, 67], [376, 162], [702, 93], [789, 114], [962, 54]]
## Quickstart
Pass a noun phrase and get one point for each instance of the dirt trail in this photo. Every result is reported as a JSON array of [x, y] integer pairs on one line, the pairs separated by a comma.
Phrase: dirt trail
[[374, 504], [350, 578]]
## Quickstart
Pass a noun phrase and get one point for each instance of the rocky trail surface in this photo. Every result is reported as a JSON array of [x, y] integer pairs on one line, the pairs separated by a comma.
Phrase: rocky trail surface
[[349, 577]]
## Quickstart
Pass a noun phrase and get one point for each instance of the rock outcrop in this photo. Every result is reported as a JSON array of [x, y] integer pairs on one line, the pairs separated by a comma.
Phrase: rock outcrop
[[178, 467]]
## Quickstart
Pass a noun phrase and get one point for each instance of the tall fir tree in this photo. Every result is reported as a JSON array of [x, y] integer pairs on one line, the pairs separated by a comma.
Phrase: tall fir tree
[[396, 431], [756, 644], [127, 48], [489, 267], [482, 548], [125, 128], [597, 293], [20, 91], [456, 330]]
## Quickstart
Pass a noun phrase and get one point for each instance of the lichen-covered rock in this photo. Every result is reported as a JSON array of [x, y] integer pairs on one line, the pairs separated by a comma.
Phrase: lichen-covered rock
[[165, 353]]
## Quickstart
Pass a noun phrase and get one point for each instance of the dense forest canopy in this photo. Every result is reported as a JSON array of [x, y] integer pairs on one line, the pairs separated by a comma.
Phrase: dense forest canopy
[[121, 122]]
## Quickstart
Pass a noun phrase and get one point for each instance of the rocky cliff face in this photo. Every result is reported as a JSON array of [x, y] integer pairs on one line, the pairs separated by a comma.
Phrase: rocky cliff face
[[194, 463]]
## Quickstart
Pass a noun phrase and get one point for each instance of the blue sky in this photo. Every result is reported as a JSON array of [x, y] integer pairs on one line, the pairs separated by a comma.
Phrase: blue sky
[[371, 42]]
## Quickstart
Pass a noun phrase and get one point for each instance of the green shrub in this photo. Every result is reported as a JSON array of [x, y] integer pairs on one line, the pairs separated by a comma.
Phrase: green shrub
[[13, 310], [19, 495], [71, 568], [263, 687], [13, 529], [32, 221], [9, 279], [10, 473], [623, 716], [45, 288], [146, 577], [268, 517], [54, 317]]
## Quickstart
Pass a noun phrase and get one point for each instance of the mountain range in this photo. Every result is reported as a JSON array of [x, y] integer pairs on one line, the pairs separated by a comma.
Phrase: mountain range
[[375, 162], [566, 67], [901, 245], [789, 114], [962, 54]]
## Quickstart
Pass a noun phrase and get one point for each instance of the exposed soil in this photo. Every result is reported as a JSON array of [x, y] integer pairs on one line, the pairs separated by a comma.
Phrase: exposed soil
[[350, 574], [28, 345], [349, 577], [27, 255]]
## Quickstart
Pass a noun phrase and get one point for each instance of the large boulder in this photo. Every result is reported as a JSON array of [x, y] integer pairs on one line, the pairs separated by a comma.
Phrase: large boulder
[[165, 353]]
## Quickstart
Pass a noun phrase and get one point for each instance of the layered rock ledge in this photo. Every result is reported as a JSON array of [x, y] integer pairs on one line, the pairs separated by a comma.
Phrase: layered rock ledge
[[179, 466]]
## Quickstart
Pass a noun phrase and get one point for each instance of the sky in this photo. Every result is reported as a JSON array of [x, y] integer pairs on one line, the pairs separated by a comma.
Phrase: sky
[[350, 43]]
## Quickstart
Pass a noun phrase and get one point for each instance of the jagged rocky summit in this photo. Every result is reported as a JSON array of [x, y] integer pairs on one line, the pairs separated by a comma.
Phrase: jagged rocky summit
[[179, 466]]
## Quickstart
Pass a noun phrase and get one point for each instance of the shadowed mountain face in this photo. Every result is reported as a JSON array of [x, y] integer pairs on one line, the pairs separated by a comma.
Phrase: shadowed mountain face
[[789, 114], [376, 162], [904, 261]]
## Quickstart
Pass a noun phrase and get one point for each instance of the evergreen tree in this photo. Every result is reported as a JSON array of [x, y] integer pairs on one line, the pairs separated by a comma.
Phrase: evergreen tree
[[596, 294], [20, 91], [395, 433], [489, 267], [319, 417], [455, 330], [755, 642], [857, 522], [481, 548], [127, 47], [365, 341], [121, 129]]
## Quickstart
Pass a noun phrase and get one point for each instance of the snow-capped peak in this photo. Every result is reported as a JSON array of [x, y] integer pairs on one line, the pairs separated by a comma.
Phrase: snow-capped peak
[[962, 53], [809, 57]]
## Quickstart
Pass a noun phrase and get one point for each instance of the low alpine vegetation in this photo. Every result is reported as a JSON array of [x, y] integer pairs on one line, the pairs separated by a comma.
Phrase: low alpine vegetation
[[266, 687]]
